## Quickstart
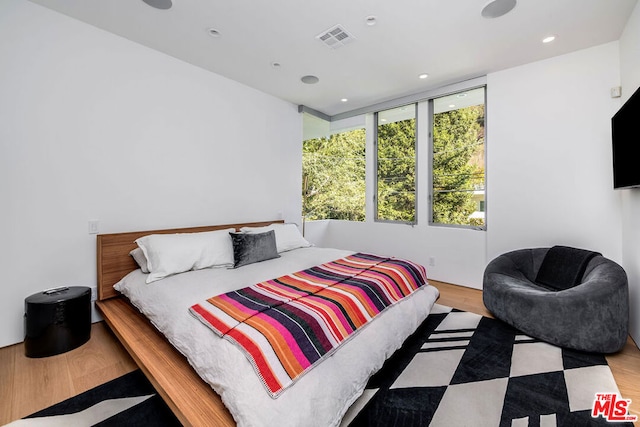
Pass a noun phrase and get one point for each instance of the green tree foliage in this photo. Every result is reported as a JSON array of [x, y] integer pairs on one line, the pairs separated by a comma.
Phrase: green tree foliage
[[397, 171], [458, 164], [334, 177], [334, 171]]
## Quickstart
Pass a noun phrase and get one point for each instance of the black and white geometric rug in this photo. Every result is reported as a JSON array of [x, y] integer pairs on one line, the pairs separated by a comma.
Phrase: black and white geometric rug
[[129, 400], [463, 369], [457, 369]]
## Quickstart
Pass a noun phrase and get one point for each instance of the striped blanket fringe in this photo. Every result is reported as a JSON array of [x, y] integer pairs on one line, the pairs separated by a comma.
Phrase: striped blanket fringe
[[285, 326]]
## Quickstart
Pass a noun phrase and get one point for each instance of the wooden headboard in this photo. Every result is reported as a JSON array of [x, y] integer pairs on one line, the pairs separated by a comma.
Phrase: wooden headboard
[[114, 261]]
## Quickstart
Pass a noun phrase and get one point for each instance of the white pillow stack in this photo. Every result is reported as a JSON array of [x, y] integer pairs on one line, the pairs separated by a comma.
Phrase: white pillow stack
[[169, 254], [163, 255], [288, 237]]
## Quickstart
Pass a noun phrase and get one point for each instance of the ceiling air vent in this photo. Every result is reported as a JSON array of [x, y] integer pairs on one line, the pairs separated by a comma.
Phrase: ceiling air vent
[[335, 37]]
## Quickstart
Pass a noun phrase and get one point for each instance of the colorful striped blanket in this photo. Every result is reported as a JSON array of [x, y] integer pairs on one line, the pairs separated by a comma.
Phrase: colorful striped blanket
[[285, 326]]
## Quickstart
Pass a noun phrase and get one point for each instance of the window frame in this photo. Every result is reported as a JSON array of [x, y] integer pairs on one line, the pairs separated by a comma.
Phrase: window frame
[[376, 218], [430, 144]]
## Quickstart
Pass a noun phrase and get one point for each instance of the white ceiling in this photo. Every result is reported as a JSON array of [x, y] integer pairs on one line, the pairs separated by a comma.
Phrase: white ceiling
[[448, 39]]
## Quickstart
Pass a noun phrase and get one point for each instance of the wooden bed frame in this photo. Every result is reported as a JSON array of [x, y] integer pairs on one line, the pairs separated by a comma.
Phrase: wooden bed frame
[[191, 399]]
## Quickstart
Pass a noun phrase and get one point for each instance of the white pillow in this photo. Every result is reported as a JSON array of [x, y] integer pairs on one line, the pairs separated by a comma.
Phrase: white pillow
[[140, 259], [169, 254], [288, 237]]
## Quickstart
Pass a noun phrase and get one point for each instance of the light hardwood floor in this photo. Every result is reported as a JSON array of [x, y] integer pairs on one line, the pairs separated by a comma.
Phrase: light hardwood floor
[[28, 385]]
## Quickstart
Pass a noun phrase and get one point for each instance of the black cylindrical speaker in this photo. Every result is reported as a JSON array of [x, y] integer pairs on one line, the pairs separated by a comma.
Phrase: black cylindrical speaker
[[57, 320]]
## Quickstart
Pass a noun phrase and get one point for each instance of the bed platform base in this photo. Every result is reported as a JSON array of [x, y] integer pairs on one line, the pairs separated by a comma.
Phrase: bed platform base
[[191, 399]]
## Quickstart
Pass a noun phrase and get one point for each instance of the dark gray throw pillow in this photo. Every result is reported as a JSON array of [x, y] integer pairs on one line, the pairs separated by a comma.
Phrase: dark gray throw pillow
[[563, 267], [250, 248]]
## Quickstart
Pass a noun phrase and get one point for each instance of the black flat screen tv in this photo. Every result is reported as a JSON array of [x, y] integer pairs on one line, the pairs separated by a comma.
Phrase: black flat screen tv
[[625, 135]]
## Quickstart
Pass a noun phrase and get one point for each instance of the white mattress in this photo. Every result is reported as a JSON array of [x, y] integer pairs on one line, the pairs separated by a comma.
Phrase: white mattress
[[318, 398]]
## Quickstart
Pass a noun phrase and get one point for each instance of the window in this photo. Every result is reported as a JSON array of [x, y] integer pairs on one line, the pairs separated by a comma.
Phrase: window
[[458, 162], [333, 176], [395, 139]]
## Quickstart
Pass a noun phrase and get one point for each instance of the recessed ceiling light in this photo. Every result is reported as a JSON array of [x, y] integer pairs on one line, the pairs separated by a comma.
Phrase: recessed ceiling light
[[310, 80], [423, 76], [452, 105], [497, 8], [344, 100], [159, 4], [371, 20], [213, 32], [461, 95], [548, 39]]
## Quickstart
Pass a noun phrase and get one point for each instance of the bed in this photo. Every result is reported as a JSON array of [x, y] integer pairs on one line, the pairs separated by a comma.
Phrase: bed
[[191, 398]]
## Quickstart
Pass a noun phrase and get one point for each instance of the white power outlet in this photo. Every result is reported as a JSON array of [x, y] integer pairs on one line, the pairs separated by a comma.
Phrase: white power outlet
[[616, 92], [94, 226], [94, 293], [432, 261]]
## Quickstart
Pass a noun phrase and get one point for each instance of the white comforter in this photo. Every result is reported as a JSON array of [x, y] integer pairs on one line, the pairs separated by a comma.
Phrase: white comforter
[[321, 396]]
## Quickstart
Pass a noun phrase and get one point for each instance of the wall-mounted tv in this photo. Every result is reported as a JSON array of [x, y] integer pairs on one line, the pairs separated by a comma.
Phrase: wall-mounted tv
[[625, 133]]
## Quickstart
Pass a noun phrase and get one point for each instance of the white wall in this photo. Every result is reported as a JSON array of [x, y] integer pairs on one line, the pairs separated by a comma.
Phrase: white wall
[[93, 126], [630, 81], [549, 154]]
